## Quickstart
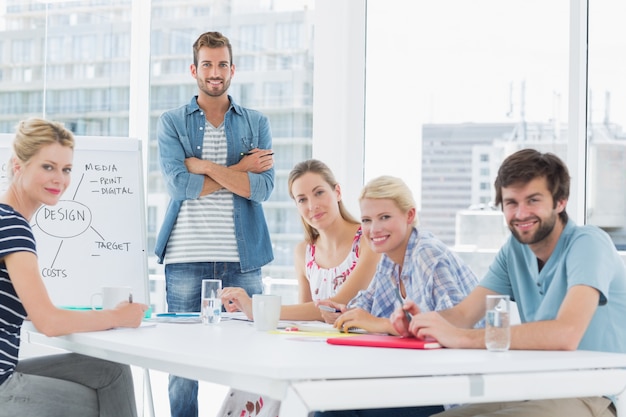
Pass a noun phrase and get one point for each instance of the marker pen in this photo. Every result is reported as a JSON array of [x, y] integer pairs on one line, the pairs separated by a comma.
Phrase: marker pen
[[178, 315]]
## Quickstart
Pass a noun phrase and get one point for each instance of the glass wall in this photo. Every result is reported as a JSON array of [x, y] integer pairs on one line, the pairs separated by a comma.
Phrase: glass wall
[[453, 87], [437, 92], [85, 63], [479, 80], [606, 118], [274, 70], [68, 62]]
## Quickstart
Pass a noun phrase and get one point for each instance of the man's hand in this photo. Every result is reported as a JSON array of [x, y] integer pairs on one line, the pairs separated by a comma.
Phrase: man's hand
[[255, 161], [233, 178], [432, 325], [399, 319]]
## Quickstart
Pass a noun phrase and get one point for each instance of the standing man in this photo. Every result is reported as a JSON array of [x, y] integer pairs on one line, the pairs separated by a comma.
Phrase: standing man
[[217, 163], [569, 283]]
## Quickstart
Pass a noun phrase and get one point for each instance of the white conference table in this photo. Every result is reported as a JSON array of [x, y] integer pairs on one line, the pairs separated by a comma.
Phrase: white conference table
[[308, 374]]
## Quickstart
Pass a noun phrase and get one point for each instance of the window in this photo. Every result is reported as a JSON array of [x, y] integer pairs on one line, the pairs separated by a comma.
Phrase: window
[[288, 35], [57, 48], [277, 93], [251, 38], [116, 45], [484, 80], [22, 51], [253, 32], [84, 47], [245, 62], [606, 160], [488, 81]]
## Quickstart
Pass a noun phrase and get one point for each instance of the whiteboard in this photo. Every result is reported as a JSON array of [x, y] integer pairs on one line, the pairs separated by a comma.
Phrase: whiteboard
[[95, 235]]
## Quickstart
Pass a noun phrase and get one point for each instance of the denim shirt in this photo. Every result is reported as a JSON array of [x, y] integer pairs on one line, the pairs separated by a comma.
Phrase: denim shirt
[[180, 134]]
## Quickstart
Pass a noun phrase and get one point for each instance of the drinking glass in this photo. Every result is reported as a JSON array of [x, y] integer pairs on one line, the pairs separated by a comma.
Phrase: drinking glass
[[211, 303], [497, 323]]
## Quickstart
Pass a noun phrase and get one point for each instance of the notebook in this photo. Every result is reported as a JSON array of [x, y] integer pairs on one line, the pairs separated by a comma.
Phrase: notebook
[[314, 326], [384, 340]]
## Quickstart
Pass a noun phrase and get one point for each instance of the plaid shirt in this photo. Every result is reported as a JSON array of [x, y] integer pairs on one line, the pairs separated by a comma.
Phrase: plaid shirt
[[433, 276]]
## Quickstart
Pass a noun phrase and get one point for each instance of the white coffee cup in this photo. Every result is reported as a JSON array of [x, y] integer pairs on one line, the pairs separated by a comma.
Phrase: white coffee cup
[[111, 296], [266, 311]]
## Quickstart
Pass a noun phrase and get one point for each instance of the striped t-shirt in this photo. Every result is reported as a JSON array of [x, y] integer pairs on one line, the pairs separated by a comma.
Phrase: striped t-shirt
[[205, 229], [15, 236]]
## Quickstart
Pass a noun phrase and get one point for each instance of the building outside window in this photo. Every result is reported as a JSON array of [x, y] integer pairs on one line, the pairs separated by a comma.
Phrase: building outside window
[[484, 84]]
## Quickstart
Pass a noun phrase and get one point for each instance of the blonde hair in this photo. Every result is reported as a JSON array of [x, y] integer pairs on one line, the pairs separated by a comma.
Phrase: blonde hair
[[390, 188], [320, 168], [33, 134]]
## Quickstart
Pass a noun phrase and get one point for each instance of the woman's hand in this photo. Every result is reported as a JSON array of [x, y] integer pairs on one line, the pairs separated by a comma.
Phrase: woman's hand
[[361, 319], [129, 314], [330, 310], [237, 299]]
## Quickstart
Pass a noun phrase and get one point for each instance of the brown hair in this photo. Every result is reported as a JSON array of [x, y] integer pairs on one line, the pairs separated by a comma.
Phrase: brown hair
[[525, 165], [212, 40], [320, 168]]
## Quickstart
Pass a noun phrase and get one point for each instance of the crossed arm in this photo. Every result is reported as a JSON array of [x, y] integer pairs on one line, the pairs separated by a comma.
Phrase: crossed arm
[[235, 177]]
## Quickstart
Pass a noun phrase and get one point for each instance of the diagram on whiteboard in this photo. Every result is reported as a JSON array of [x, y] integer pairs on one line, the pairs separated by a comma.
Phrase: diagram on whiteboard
[[95, 235], [69, 219]]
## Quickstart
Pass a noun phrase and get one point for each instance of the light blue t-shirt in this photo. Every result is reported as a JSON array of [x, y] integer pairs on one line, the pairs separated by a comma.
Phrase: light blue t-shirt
[[584, 255]]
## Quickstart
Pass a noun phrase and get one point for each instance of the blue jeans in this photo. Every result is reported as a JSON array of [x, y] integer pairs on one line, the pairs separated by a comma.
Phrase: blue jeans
[[423, 411], [68, 385], [182, 286]]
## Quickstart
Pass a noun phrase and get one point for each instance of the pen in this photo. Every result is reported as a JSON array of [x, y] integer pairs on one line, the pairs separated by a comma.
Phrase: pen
[[178, 315], [250, 153], [408, 315], [327, 308]]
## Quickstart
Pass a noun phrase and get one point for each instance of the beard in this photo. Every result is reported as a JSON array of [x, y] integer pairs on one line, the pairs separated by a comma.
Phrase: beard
[[546, 226], [206, 88]]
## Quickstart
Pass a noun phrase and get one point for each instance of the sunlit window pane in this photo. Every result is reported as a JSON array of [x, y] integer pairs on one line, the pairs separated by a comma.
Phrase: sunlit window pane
[[452, 88], [606, 179]]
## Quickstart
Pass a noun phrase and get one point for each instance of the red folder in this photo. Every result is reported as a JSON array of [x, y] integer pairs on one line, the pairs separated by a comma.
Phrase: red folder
[[384, 340]]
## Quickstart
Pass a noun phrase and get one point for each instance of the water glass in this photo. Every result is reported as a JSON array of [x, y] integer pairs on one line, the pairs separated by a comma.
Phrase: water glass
[[211, 303], [497, 323]]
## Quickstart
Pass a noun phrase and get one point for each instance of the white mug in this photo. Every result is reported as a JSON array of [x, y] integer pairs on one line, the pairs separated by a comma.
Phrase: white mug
[[266, 311], [112, 296]]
